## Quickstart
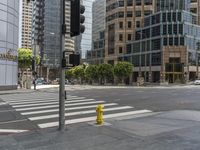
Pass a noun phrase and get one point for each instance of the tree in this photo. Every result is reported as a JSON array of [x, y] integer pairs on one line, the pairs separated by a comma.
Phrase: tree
[[69, 74], [123, 70], [79, 72], [91, 72], [105, 72], [25, 57]]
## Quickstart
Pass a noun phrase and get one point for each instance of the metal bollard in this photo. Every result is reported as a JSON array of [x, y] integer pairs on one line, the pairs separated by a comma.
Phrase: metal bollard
[[99, 111]]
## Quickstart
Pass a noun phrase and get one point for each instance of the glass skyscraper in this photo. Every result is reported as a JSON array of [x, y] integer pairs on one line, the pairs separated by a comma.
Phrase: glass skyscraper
[[84, 41], [167, 48], [9, 13]]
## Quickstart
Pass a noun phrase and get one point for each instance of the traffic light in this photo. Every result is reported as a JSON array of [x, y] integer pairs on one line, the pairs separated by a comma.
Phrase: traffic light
[[77, 18], [74, 59]]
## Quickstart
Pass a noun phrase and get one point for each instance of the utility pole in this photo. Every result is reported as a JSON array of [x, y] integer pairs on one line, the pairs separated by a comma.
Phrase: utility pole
[[62, 70], [197, 60], [34, 71]]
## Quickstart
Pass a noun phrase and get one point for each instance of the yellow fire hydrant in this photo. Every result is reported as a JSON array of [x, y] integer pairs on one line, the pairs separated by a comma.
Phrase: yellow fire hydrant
[[99, 111]]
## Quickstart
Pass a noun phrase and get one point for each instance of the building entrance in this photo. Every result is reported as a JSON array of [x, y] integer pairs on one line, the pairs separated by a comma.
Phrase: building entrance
[[174, 77], [174, 71]]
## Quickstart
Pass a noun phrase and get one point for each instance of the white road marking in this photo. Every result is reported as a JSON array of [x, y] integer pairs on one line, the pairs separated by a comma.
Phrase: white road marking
[[53, 106], [3, 103], [78, 113], [12, 131], [48, 103], [30, 100], [35, 100], [73, 108], [42, 102], [87, 119]]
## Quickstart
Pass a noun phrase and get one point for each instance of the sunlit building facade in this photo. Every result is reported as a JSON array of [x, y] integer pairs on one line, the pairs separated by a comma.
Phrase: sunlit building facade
[[9, 22]]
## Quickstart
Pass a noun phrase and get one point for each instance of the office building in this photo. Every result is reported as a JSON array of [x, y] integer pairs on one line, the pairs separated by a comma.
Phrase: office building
[[25, 24], [161, 39], [96, 54], [9, 22], [46, 32], [84, 41], [123, 17]]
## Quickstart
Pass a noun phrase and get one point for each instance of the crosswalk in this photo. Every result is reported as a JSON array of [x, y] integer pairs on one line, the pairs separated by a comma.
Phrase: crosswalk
[[42, 109]]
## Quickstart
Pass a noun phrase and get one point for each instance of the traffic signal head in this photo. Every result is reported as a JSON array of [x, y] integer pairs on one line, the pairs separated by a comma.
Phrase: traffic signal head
[[77, 18]]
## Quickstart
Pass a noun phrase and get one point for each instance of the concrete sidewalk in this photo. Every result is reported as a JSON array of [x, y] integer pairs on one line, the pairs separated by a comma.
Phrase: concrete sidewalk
[[174, 130]]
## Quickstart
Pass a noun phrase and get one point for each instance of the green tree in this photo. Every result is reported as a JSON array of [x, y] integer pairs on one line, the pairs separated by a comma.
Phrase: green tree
[[91, 73], [25, 57], [69, 74], [123, 70], [105, 72], [79, 72]]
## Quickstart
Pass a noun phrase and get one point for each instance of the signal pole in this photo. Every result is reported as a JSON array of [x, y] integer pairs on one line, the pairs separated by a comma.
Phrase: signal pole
[[62, 70]]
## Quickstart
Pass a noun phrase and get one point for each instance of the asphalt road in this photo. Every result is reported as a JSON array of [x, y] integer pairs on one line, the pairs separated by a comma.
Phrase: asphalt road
[[155, 98], [39, 109]]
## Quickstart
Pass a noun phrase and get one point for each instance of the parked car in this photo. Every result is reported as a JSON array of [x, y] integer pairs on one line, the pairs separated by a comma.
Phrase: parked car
[[197, 82], [40, 81]]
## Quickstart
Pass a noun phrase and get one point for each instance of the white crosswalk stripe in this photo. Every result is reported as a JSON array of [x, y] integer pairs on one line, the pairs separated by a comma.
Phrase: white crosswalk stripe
[[17, 105], [43, 109], [78, 113]]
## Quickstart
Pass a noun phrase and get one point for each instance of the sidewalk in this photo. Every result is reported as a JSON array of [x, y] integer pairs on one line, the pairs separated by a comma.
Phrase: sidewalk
[[174, 130]]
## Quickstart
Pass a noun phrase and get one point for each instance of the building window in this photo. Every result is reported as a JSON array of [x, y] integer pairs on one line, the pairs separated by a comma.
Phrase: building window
[[164, 17], [129, 14], [169, 17], [175, 29], [129, 2], [164, 29], [156, 59], [176, 41], [101, 35], [170, 41], [120, 37], [138, 24], [170, 29], [148, 2], [138, 13], [174, 17], [121, 25], [156, 44], [136, 60], [120, 49], [129, 37], [121, 3], [179, 16], [138, 2], [155, 31], [129, 24], [182, 41], [165, 42], [180, 29], [147, 12], [121, 14], [128, 48]]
